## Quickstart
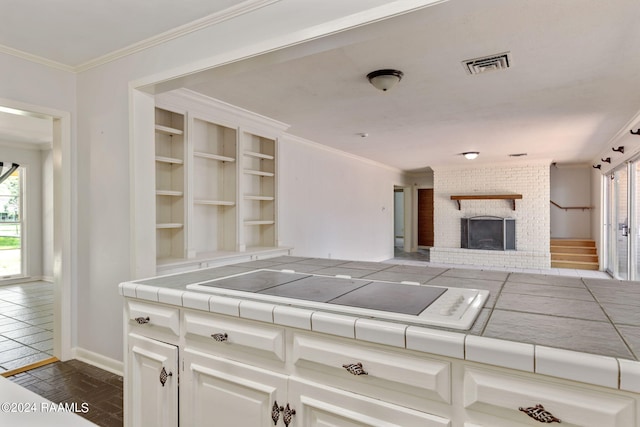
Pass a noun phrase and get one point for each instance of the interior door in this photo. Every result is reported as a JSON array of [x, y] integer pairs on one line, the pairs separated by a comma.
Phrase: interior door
[[425, 217]]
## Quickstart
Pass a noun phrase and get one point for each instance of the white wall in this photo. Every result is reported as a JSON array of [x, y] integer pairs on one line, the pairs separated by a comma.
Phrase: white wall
[[104, 241], [30, 159], [531, 214], [333, 205], [571, 186]]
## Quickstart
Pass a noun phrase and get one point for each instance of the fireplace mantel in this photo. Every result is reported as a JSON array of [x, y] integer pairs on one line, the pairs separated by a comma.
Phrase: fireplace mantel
[[511, 197]]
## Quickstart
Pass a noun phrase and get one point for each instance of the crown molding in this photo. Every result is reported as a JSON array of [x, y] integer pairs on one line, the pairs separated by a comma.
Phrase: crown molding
[[222, 112], [207, 21], [37, 59], [215, 18], [287, 137]]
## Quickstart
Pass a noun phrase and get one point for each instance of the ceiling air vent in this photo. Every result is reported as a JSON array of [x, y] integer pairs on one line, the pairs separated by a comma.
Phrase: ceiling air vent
[[499, 61]]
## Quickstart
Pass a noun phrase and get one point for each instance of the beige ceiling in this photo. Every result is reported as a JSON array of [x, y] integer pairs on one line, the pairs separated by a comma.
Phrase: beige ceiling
[[572, 85]]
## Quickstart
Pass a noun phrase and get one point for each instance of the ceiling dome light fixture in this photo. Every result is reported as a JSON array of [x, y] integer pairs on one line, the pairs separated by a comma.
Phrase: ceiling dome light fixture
[[384, 79], [470, 155]]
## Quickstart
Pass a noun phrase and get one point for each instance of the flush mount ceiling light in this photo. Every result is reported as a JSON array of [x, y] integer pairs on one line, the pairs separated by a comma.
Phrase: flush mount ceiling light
[[470, 155], [384, 79]]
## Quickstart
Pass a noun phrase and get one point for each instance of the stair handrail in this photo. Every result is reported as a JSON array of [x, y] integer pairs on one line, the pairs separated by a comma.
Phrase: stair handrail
[[566, 208]]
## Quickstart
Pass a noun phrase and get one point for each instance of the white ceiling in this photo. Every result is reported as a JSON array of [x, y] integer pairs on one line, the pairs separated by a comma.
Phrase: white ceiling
[[571, 87], [74, 32]]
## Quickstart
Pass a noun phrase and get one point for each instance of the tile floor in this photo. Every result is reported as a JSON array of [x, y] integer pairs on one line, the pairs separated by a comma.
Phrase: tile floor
[[26, 324], [75, 381]]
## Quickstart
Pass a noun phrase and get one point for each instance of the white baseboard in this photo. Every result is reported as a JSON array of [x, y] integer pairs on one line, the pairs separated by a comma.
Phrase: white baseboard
[[98, 360]]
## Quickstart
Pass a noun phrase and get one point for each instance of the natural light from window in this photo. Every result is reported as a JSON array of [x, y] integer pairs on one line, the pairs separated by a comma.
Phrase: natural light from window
[[11, 226]]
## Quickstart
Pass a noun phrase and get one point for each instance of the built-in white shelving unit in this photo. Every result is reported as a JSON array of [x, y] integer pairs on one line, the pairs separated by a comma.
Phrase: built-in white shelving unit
[[259, 187], [216, 168], [170, 183], [215, 149]]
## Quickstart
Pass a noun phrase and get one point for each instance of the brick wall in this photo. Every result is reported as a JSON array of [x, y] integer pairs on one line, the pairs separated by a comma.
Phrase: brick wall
[[531, 214]]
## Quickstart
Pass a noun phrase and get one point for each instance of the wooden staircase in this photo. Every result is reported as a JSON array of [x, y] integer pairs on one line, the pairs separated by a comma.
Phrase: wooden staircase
[[579, 254]]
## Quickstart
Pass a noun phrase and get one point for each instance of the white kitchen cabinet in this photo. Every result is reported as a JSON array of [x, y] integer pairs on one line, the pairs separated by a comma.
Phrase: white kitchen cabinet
[[498, 399], [151, 383], [238, 339], [218, 392], [317, 405], [411, 380], [238, 371]]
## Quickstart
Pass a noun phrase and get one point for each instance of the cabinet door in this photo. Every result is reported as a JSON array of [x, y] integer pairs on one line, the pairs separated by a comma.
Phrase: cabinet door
[[152, 383], [219, 392], [321, 406]]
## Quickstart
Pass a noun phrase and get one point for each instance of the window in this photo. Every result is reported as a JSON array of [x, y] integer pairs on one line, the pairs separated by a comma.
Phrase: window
[[11, 225]]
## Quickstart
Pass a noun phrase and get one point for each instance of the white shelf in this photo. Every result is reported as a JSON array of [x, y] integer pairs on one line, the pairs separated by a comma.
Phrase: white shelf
[[259, 155], [167, 225], [172, 160], [168, 130], [257, 197], [259, 222], [213, 156], [258, 173], [169, 193], [214, 202]]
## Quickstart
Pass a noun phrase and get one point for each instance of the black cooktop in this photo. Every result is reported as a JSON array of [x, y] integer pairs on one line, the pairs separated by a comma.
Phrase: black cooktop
[[361, 293]]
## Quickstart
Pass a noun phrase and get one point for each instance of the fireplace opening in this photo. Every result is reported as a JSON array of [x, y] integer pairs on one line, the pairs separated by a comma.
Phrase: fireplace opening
[[488, 233]]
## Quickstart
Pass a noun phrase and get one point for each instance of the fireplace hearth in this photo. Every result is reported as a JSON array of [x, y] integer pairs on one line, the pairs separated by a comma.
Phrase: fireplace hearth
[[488, 233]]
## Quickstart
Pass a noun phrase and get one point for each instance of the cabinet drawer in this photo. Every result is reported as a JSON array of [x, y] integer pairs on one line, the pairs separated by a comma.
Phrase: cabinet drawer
[[151, 319], [509, 396], [232, 334], [317, 405], [386, 369]]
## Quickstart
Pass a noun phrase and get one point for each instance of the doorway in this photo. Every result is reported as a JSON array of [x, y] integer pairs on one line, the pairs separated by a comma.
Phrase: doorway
[[43, 288]]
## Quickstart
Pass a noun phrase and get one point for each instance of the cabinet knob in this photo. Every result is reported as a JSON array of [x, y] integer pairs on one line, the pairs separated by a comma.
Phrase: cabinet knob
[[142, 320], [355, 369], [220, 337], [275, 412], [540, 414], [287, 415], [164, 375]]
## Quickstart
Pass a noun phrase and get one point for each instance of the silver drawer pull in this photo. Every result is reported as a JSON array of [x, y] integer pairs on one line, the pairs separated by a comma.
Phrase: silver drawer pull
[[355, 369], [220, 337], [540, 414], [142, 320]]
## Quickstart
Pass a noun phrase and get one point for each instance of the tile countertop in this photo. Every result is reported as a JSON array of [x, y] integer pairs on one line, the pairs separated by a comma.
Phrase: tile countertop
[[531, 322]]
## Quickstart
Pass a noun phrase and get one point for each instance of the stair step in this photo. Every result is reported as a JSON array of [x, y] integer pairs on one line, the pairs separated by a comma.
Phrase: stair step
[[574, 250], [573, 242], [574, 257], [575, 265]]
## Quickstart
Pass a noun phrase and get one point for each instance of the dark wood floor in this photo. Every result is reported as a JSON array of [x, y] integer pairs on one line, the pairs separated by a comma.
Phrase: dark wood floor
[[75, 381]]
